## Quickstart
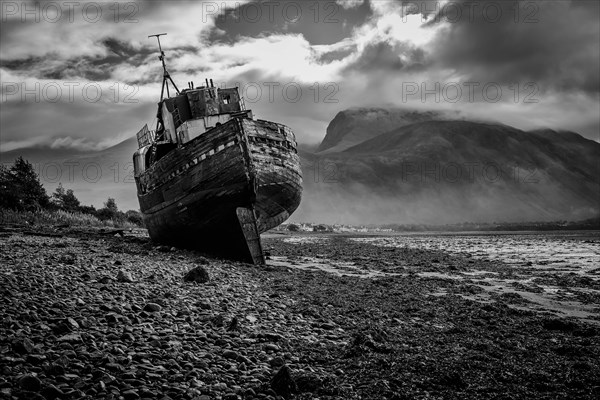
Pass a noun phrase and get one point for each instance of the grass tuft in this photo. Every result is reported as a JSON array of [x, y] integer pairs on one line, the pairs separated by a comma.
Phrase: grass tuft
[[59, 217]]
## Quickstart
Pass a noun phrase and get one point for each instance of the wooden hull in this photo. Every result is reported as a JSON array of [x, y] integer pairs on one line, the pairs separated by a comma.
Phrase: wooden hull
[[218, 192]]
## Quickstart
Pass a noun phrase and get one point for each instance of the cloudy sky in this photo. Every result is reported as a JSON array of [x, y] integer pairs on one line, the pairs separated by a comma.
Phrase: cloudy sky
[[85, 74]]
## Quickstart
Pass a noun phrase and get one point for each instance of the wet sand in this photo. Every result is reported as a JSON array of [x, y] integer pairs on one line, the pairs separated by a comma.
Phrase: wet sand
[[543, 268]]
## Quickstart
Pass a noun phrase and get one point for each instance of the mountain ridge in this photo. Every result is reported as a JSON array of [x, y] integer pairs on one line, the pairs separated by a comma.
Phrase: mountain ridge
[[355, 125]]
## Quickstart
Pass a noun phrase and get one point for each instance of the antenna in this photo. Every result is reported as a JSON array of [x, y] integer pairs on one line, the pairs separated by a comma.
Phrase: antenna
[[166, 75]]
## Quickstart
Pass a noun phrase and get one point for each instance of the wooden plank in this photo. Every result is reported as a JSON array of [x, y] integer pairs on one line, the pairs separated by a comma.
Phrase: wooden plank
[[248, 224]]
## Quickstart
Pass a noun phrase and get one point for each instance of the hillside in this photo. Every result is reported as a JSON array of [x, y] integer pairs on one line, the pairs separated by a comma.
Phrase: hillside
[[453, 171]]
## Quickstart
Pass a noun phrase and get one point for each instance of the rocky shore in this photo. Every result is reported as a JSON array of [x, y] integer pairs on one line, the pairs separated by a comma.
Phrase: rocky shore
[[108, 317]]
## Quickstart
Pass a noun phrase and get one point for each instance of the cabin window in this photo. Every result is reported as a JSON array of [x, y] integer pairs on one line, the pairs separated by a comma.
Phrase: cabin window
[[226, 99]]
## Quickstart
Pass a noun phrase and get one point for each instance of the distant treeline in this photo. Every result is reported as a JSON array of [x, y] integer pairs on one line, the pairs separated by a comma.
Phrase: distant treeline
[[21, 190], [587, 224]]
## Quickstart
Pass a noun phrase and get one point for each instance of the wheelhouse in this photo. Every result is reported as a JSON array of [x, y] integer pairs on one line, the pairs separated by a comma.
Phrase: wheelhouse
[[185, 117]]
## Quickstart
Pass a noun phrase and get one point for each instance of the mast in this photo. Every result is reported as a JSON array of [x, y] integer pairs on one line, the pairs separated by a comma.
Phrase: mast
[[166, 76], [166, 79]]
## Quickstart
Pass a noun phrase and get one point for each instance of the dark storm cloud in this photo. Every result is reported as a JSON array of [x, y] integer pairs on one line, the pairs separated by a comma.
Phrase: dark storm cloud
[[21, 63], [51, 67], [121, 51], [386, 56], [93, 68], [552, 43], [321, 22], [336, 55]]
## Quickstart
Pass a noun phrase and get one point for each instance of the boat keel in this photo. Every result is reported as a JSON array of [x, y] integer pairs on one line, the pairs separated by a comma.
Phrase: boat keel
[[249, 229]]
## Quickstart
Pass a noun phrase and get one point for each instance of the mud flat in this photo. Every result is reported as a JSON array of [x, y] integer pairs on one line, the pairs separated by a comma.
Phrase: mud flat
[[348, 317]]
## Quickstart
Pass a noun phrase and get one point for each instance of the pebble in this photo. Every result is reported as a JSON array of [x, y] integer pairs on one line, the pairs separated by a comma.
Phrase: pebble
[[30, 383], [125, 276], [70, 338], [51, 392], [276, 362], [105, 279], [204, 305], [230, 354], [22, 346], [271, 347], [152, 307], [131, 394], [198, 274], [282, 383], [73, 325]]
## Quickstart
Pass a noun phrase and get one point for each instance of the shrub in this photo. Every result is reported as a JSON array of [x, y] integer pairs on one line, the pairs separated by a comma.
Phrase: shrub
[[88, 210], [65, 200], [135, 217], [109, 211]]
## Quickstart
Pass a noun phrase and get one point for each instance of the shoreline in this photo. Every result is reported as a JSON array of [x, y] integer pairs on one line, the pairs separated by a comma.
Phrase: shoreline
[[342, 337], [594, 233]]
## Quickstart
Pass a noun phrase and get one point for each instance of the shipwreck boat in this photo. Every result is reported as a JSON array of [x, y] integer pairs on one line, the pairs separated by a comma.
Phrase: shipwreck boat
[[211, 177]]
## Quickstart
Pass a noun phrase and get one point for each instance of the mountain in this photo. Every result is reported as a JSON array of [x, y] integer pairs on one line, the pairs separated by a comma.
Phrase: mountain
[[355, 125], [454, 171]]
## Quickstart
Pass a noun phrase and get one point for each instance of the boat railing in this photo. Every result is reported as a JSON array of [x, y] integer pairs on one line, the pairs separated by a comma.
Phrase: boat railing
[[145, 137]]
